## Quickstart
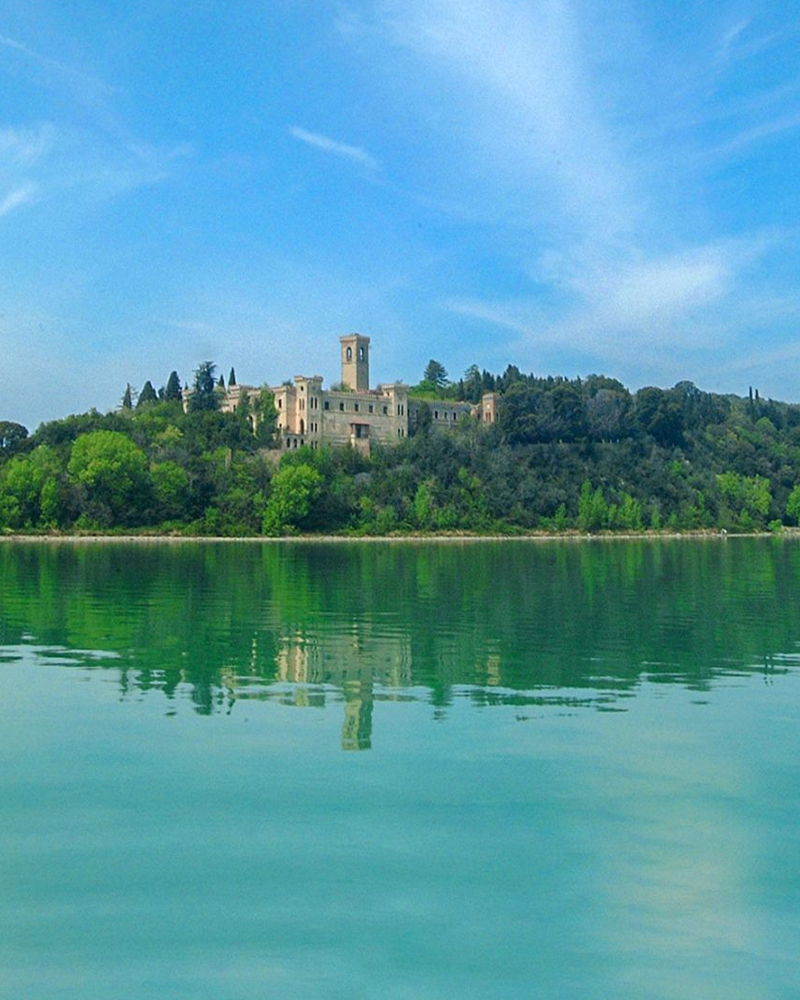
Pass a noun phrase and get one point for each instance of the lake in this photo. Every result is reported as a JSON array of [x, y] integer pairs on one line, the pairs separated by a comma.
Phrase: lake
[[400, 770]]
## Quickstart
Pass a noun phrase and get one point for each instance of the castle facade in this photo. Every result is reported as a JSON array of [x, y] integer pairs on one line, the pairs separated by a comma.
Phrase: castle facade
[[351, 413]]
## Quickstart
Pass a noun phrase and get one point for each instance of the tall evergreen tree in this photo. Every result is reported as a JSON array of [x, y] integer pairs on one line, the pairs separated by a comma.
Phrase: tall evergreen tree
[[127, 399], [436, 372], [204, 396], [232, 378], [147, 395], [173, 389]]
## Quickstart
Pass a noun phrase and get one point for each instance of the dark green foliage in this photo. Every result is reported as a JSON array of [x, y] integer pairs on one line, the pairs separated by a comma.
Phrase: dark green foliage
[[127, 398], [204, 397], [565, 454], [12, 437], [147, 396], [232, 378], [436, 373], [172, 392]]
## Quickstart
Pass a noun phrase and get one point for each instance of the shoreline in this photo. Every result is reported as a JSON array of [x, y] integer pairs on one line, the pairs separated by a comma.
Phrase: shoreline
[[707, 535]]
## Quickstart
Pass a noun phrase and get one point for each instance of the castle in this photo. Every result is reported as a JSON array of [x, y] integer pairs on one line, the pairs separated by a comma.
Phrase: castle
[[351, 413]]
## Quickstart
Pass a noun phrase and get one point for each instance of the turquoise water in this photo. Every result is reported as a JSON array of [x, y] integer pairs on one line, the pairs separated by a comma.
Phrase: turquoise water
[[402, 771]]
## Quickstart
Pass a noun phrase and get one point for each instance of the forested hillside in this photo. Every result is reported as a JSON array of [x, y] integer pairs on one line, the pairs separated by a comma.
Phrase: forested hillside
[[584, 455]]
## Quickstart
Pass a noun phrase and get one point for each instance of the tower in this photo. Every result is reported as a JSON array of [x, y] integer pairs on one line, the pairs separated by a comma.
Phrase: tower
[[355, 362]]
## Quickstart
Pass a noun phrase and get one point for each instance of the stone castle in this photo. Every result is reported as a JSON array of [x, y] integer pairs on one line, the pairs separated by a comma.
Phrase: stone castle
[[352, 413]]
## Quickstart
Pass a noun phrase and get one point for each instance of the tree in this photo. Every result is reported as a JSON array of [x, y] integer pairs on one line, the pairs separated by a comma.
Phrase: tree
[[147, 395], [424, 419], [204, 396], [170, 488], [232, 378], [793, 505], [437, 373], [24, 479], [11, 436], [294, 490], [111, 472], [127, 398], [265, 417], [173, 389], [221, 383], [473, 384]]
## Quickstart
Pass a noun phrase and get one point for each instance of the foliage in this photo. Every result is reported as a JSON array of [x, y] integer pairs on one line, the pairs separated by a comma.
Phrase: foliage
[[204, 397], [565, 455], [172, 392], [294, 489], [110, 472], [12, 436], [436, 373], [147, 396]]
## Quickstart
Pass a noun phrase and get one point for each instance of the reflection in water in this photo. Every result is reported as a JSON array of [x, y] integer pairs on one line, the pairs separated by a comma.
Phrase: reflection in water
[[515, 622]]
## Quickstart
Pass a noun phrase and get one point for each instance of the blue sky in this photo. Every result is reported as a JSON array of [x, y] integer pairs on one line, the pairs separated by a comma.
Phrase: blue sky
[[568, 186]]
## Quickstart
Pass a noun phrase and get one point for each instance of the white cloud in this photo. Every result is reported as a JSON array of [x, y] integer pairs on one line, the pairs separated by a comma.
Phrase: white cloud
[[520, 76], [23, 146], [354, 153], [19, 196]]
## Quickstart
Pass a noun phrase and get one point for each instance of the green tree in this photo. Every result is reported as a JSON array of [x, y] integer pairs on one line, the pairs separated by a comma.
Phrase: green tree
[[204, 397], [473, 385], [424, 419], [147, 396], [232, 378], [749, 497], [11, 436], [793, 505], [172, 393], [266, 418], [111, 472], [592, 508], [294, 489], [127, 398], [24, 478], [436, 372], [170, 489]]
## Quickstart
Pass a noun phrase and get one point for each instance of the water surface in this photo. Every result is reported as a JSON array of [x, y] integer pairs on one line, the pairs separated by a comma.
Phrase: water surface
[[483, 770]]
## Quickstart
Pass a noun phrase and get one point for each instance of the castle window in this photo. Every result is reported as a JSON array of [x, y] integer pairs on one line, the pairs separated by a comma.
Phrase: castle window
[[355, 407], [327, 405], [385, 411], [280, 404], [371, 408], [341, 406], [361, 354], [349, 354], [435, 414]]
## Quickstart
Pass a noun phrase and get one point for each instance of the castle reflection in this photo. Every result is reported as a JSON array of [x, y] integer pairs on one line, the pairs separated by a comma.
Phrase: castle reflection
[[519, 623]]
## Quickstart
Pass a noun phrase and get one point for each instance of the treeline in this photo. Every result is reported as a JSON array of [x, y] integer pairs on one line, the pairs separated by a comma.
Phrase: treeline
[[580, 454]]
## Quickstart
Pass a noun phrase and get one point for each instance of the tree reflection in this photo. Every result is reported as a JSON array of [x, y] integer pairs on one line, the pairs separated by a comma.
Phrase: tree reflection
[[575, 623]]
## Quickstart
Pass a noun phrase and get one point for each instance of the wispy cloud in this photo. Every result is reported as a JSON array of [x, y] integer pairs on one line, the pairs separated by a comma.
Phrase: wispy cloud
[[63, 69], [354, 153], [21, 147], [19, 196], [520, 81]]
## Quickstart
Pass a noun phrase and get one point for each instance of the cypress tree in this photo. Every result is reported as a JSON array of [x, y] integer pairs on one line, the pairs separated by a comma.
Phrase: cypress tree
[[204, 396], [173, 389], [127, 400], [232, 378], [147, 395]]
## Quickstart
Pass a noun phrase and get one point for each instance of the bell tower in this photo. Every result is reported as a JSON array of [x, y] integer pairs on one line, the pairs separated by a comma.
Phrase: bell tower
[[355, 362]]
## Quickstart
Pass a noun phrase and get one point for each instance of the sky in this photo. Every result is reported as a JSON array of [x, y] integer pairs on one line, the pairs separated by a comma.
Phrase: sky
[[567, 186]]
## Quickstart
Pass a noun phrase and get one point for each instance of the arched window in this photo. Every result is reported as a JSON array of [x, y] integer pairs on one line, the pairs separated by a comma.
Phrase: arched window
[[349, 353], [361, 354]]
